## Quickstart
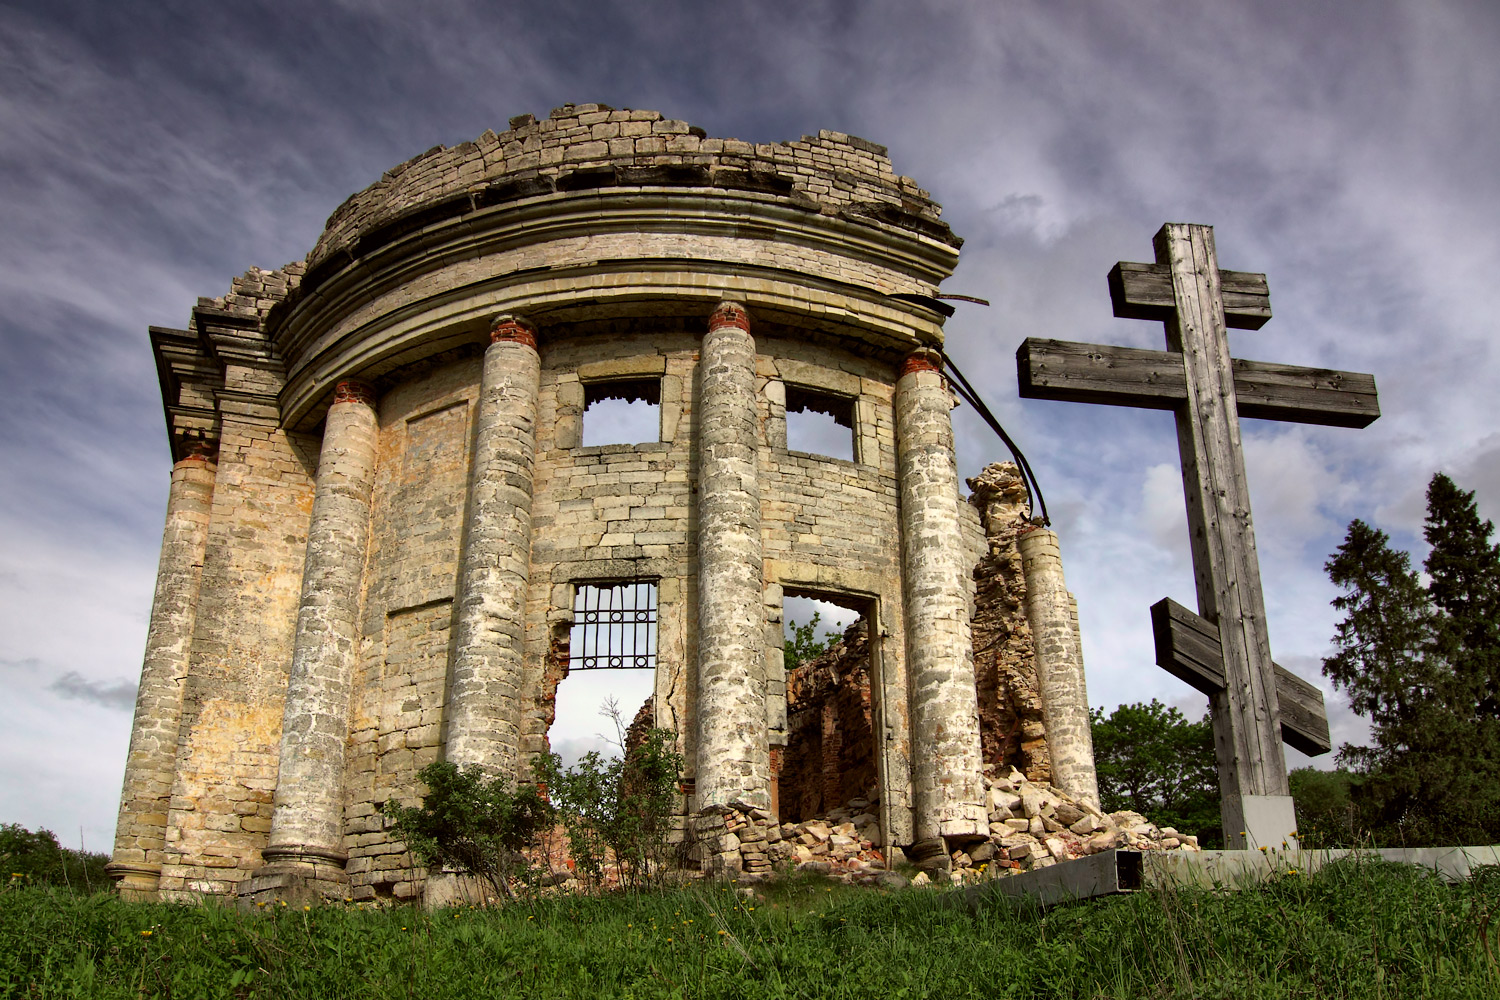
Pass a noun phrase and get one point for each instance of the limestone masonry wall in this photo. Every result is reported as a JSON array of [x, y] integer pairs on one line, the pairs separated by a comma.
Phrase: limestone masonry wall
[[383, 509]]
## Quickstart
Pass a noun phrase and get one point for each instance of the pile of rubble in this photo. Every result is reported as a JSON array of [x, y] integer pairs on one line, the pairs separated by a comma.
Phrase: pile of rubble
[[744, 842], [1032, 825]]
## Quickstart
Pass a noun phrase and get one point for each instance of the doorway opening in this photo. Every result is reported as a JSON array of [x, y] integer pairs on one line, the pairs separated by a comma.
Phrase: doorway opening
[[830, 767]]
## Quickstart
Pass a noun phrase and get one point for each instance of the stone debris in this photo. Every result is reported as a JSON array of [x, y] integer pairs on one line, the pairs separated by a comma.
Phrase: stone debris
[[1032, 825]]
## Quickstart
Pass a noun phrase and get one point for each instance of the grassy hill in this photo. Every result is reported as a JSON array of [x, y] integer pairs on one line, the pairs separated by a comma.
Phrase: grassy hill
[[1360, 929]]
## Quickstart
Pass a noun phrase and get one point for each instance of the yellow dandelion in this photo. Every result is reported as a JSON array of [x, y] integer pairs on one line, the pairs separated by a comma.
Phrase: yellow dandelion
[[1264, 849], [307, 907], [669, 940]]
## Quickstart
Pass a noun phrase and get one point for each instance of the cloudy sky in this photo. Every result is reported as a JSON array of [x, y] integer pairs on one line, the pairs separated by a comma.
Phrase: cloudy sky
[[149, 152]]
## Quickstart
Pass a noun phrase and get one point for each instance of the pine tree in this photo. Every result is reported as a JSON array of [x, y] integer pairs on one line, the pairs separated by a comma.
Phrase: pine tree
[[1421, 663], [1464, 567]]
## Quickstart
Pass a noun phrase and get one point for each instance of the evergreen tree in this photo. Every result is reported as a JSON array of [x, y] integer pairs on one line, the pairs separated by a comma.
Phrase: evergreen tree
[[1421, 662]]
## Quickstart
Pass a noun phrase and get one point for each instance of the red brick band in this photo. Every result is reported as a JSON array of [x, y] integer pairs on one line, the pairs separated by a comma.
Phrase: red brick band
[[729, 314], [352, 390], [922, 361], [200, 450], [514, 330]]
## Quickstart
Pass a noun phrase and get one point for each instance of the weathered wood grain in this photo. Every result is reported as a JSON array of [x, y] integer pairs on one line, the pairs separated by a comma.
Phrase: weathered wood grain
[[1271, 391], [1226, 569], [1144, 291], [1093, 373], [1128, 376], [1187, 647]]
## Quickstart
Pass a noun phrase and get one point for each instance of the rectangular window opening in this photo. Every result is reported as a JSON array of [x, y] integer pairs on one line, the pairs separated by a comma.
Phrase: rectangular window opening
[[624, 411], [614, 626], [820, 423]]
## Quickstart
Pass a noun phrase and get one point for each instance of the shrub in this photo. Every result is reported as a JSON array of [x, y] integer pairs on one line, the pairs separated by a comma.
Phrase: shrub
[[620, 806], [472, 823]]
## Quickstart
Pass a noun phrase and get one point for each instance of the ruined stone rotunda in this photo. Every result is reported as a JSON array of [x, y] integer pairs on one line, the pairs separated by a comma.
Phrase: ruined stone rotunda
[[387, 539]]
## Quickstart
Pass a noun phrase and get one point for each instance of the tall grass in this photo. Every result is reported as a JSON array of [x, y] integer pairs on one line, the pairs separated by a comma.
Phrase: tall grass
[[1364, 929]]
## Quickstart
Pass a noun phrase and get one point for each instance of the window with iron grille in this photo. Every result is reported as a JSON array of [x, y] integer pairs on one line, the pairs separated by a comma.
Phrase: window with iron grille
[[614, 626]]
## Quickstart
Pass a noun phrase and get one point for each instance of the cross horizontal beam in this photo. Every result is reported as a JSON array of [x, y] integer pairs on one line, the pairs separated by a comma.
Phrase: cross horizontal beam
[[1144, 291], [1187, 647], [1128, 376]]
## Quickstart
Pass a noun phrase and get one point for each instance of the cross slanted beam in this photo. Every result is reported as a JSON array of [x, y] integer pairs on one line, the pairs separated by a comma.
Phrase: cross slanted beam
[[1187, 647], [1209, 391]]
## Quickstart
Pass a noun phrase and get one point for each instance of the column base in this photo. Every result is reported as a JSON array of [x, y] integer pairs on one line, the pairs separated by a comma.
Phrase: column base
[[135, 883], [297, 875]]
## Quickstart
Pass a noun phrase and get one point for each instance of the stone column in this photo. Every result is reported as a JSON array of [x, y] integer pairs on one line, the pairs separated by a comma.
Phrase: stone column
[[483, 712], [140, 833], [307, 819], [947, 760], [1059, 666], [733, 750]]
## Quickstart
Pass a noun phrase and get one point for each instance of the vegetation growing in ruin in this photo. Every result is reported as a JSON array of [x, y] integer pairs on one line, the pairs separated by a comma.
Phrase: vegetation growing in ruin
[[618, 809], [615, 811], [804, 643], [471, 823], [1422, 661], [1364, 929]]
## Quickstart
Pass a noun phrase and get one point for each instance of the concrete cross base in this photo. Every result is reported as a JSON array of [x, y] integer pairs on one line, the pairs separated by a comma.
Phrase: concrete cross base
[[1109, 873], [1255, 821]]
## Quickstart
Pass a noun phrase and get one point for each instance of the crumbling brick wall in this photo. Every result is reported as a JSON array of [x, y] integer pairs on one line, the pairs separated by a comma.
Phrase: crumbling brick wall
[[1010, 706], [830, 753]]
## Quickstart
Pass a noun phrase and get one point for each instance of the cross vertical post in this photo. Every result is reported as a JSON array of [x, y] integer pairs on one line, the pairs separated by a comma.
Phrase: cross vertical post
[[1224, 650], [1247, 728]]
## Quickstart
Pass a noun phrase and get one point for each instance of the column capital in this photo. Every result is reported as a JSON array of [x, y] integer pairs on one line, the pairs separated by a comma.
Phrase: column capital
[[353, 390], [512, 328], [924, 359], [729, 313]]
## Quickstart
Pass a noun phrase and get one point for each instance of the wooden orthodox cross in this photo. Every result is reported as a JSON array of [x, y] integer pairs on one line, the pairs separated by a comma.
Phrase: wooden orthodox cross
[[1224, 650]]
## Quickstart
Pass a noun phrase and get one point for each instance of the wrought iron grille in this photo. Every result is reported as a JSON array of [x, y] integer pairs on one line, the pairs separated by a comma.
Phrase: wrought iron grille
[[614, 626]]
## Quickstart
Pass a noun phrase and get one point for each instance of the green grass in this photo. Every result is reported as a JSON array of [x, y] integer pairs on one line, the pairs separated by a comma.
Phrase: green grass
[[1363, 929]]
